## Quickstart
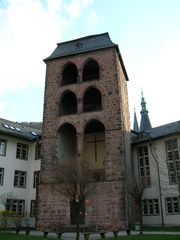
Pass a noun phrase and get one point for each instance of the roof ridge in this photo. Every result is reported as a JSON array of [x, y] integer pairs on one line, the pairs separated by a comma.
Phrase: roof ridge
[[82, 38]]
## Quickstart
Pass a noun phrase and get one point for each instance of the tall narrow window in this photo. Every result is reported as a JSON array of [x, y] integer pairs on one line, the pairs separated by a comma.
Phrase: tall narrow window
[[22, 151], [143, 162], [38, 151], [33, 208], [3, 144], [36, 179], [20, 179], [91, 71], [173, 159], [1, 176]]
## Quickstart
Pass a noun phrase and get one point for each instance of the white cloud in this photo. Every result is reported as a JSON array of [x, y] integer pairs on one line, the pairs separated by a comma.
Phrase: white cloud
[[75, 7], [93, 18], [29, 31]]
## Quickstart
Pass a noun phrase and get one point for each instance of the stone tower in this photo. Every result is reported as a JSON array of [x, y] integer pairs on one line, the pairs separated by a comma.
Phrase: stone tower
[[86, 119]]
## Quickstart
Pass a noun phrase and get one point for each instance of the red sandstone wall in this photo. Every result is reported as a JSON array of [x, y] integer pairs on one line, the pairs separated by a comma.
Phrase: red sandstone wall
[[108, 209]]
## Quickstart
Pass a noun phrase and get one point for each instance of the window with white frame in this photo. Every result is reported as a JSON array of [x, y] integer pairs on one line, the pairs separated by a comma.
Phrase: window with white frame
[[143, 163], [173, 159], [1, 176], [36, 178], [33, 208], [150, 207], [3, 144], [20, 179], [172, 205], [38, 151], [22, 151], [15, 205]]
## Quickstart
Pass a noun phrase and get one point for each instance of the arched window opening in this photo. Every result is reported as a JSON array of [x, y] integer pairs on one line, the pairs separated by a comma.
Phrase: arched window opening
[[94, 148], [66, 144], [91, 71], [92, 100], [68, 104], [69, 75]]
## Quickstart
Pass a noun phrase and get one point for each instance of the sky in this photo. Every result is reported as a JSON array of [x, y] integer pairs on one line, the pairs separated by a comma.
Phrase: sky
[[147, 32]]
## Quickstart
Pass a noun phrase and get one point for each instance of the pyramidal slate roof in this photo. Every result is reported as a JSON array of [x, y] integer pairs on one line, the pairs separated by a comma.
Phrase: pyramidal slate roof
[[84, 45], [166, 130], [21, 130]]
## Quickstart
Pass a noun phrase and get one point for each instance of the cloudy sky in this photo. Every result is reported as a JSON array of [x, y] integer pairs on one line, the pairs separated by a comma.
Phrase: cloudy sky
[[147, 32]]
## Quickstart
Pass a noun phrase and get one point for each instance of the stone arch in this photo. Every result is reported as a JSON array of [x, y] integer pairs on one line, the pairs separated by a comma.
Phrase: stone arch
[[68, 103], [91, 70], [66, 143], [94, 147], [69, 74], [92, 100]]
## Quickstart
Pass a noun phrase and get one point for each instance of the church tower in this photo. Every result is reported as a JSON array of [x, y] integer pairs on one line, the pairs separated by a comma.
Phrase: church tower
[[145, 124], [86, 120]]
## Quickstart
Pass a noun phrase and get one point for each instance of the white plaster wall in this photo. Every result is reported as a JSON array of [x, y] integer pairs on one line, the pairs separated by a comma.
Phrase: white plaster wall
[[167, 190], [10, 164]]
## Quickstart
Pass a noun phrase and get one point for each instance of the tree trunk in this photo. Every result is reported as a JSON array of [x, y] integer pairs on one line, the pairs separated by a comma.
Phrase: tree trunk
[[77, 229], [77, 222], [140, 219]]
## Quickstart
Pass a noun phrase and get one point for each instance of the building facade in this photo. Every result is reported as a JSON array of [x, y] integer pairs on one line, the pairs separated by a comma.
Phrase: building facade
[[156, 159], [19, 167], [86, 121]]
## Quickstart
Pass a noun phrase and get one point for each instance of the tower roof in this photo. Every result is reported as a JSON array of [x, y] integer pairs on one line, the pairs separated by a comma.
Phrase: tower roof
[[135, 126], [84, 45], [145, 121]]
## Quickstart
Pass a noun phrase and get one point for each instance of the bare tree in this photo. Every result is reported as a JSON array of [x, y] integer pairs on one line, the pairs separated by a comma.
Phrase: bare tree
[[76, 183], [136, 188]]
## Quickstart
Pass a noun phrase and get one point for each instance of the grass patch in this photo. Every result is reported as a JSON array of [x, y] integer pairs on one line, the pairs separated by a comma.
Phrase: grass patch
[[147, 237], [163, 229], [12, 236]]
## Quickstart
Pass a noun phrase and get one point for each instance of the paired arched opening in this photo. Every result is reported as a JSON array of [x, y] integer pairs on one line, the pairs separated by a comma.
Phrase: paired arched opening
[[92, 100], [94, 145], [91, 71], [68, 104], [66, 143], [69, 74]]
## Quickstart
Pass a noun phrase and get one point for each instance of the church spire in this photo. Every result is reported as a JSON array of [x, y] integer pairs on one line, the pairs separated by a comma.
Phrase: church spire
[[136, 126], [145, 121]]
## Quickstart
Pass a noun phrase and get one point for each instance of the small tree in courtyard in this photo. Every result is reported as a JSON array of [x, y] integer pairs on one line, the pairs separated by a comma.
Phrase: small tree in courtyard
[[76, 183], [136, 190]]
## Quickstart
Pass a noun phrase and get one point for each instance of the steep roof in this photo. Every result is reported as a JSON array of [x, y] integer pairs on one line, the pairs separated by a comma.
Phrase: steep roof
[[135, 126], [84, 45], [166, 130], [145, 121], [20, 130]]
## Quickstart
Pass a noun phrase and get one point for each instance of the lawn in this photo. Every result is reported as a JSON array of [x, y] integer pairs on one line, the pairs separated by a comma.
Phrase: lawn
[[162, 229], [11, 236]]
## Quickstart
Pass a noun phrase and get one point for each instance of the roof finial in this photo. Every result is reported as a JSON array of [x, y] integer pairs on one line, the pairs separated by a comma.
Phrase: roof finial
[[145, 121]]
